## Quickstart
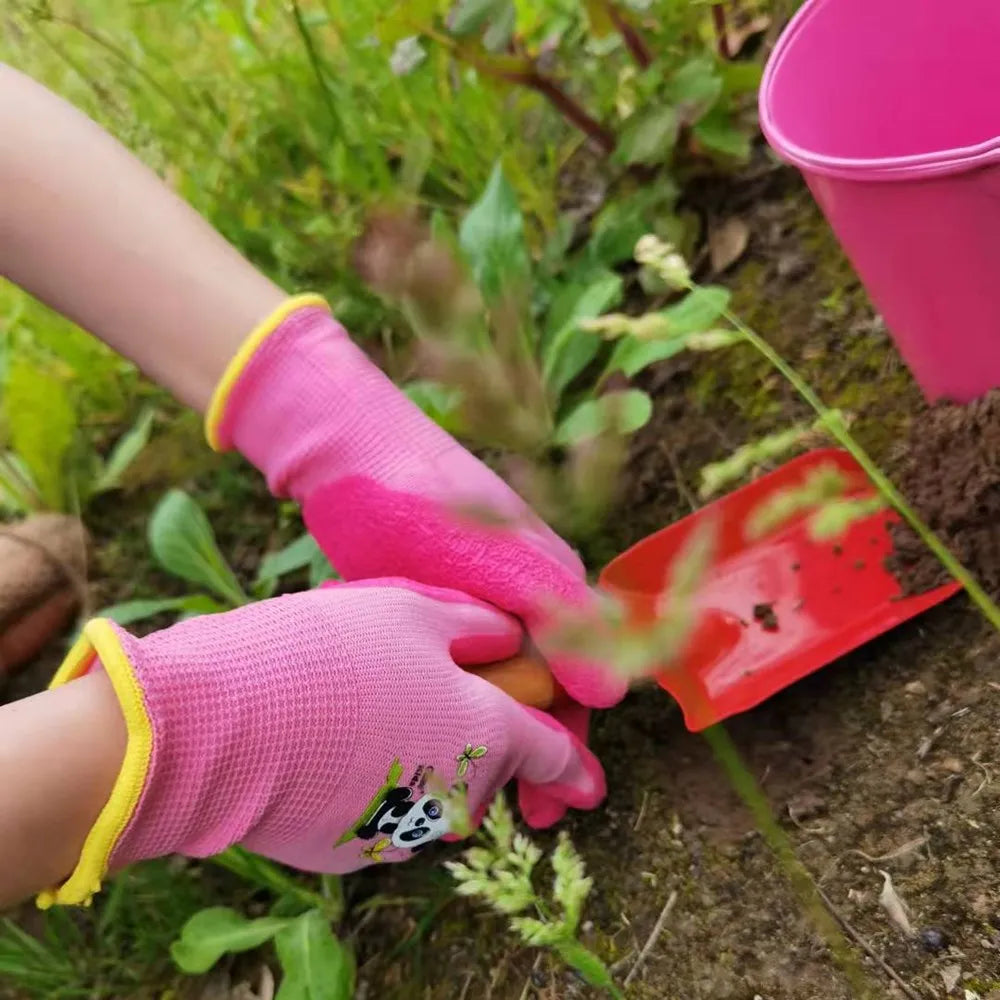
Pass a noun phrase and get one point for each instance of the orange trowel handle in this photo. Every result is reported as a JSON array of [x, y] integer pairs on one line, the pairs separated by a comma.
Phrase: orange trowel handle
[[526, 678]]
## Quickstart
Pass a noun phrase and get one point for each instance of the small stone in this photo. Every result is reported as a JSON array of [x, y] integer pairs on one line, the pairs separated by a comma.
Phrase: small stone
[[916, 688], [934, 940], [792, 265], [950, 975], [952, 765], [539, 979], [915, 776], [941, 712], [805, 805]]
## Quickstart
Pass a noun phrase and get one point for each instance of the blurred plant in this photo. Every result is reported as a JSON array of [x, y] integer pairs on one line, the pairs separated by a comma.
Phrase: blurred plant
[[499, 871], [279, 122], [635, 646], [56, 396], [301, 923], [665, 261], [507, 353], [183, 543], [645, 81], [758, 453]]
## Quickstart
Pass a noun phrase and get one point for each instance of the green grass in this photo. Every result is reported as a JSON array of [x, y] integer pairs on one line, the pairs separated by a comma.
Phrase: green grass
[[120, 947], [284, 123]]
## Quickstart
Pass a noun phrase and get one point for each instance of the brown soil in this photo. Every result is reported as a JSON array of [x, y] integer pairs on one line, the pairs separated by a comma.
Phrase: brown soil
[[951, 474]]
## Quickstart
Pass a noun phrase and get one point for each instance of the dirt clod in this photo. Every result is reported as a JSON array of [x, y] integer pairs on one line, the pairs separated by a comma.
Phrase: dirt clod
[[765, 614], [951, 474], [933, 940]]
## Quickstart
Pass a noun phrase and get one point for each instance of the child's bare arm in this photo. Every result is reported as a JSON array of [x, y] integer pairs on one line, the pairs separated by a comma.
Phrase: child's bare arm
[[60, 753], [90, 231]]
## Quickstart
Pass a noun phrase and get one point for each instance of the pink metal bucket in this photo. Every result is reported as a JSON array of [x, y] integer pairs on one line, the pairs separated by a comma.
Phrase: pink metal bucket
[[891, 110]]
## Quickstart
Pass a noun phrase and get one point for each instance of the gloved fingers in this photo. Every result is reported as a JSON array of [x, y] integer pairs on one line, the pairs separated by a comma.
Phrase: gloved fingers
[[474, 632], [586, 681], [556, 770]]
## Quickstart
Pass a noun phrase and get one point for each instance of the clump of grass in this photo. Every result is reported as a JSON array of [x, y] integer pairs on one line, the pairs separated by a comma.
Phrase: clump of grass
[[500, 870]]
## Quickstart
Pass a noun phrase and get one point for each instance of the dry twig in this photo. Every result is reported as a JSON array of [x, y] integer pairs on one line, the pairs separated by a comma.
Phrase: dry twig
[[661, 921], [868, 948]]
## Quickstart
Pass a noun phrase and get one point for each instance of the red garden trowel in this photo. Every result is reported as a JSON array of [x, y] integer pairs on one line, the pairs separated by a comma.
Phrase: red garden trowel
[[771, 611]]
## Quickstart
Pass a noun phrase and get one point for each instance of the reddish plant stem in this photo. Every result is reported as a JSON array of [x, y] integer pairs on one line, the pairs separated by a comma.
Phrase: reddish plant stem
[[634, 41], [721, 29], [526, 74], [570, 109]]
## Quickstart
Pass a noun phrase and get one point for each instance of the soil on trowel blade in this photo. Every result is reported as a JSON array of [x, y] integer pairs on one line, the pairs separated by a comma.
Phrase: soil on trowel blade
[[951, 474]]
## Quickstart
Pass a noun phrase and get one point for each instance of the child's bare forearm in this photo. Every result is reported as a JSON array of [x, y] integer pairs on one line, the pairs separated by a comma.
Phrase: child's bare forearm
[[90, 231], [60, 753]]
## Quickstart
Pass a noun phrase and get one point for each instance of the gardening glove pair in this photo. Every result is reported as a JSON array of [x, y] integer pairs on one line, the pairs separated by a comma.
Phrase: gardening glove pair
[[328, 730], [386, 492]]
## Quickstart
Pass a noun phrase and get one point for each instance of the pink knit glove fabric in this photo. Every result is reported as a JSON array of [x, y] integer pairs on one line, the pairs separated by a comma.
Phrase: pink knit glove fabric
[[387, 492], [326, 729]]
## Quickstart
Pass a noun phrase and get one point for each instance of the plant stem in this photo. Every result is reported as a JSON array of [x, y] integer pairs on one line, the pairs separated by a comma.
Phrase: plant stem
[[634, 41], [743, 781], [721, 29], [877, 476], [571, 110], [316, 63], [20, 490], [122, 56]]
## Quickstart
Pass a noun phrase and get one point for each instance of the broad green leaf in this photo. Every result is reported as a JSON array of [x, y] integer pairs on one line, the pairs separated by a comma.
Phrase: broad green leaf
[[219, 931], [622, 412], [740, 76], [648, 136], [717, 132], [492, 238], [124, 453], [621, 222], [497, 36], [697, 312], [316, 965], [296, 555], [578, 300], [418, 154], [321, 570], [41, 424], [470, 15], [18, 492], [631, 355], [139, 610], [590, 967], [442, 403], [403, 18], [694, 88], [183, 543], [569, 349], [553, 256], [599, 19]]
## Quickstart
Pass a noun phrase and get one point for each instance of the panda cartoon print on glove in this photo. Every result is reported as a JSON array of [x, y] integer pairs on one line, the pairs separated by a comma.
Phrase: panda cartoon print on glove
[[408, 823], [407, 817]]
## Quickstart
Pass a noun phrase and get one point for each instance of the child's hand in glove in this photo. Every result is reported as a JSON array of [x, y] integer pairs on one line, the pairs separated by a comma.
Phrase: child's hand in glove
[[384, 490], [328, 730]]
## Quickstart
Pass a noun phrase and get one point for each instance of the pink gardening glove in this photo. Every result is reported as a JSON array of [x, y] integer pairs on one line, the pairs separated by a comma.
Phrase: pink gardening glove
[[325, 730], [384, 490]]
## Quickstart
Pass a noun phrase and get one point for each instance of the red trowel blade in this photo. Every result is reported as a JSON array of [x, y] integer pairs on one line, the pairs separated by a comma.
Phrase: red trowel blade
[[815, 601]]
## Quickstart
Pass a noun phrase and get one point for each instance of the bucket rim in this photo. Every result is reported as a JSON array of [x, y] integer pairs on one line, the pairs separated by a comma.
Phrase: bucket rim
[[913, 166]]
